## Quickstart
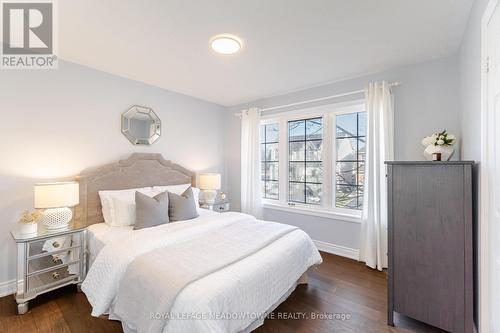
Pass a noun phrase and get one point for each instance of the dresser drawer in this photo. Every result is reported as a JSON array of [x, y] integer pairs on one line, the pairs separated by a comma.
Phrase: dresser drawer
[[45, 261], [53, 278], [54, 244]]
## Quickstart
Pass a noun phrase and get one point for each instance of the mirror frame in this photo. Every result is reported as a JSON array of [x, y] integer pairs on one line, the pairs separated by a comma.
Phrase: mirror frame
[[125, 126]]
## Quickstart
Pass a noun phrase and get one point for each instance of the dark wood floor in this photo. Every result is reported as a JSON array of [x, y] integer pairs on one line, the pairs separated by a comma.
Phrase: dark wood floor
[[338, 287]]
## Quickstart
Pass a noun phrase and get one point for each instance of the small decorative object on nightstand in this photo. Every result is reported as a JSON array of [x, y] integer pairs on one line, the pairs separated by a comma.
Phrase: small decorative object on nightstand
[[220, 207], [209, 184], [56, 198], [28, 222], [47, 260]]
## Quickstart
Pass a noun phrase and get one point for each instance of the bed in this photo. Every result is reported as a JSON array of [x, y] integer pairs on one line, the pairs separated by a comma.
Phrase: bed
[[215, 273]]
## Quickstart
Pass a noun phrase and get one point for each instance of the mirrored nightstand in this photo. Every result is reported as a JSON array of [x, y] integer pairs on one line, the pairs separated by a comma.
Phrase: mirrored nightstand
[[47, 260], [220, 207]]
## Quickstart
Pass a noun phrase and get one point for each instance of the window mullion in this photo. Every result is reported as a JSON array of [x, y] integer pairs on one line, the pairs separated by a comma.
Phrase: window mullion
[[357, 160], [283, 161], [327, 159], [305, 161]]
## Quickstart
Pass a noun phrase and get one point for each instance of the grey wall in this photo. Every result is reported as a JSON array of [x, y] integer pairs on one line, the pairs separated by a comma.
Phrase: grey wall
[[55, 123], [426, 102]]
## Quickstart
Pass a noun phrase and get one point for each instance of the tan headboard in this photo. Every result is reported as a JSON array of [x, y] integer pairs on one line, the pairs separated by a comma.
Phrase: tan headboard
[[139, 170]]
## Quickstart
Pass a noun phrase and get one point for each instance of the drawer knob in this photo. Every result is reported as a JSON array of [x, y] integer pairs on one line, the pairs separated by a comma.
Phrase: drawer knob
[[54, 259], [56, 275], [56, 244]]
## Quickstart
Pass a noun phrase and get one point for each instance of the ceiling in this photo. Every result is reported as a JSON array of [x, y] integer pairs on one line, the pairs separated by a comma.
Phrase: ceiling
[[288, 44]]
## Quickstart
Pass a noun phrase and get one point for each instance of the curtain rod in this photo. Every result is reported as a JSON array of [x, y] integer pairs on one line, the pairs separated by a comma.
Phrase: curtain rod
[[392, 84]]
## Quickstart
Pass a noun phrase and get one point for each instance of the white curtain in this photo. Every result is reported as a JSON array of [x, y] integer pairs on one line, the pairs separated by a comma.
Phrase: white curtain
[[250, 163], [379, 148]]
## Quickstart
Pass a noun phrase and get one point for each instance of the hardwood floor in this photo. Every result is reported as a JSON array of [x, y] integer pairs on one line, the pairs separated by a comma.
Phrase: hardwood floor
[[339, 286]]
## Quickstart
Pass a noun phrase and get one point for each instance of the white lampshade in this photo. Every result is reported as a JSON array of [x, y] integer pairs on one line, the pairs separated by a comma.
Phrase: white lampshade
[[55, 195], [210, 181]]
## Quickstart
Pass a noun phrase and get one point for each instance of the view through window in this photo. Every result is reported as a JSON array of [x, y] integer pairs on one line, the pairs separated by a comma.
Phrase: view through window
[[350, 160], [269, 147], [305, 143]]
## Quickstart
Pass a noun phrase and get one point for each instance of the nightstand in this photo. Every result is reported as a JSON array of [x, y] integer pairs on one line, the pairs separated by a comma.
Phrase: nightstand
[[47, 260], [220, 207]]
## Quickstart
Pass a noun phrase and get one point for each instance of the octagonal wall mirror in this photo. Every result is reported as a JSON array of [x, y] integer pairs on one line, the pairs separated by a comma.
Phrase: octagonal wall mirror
[[141, 126]]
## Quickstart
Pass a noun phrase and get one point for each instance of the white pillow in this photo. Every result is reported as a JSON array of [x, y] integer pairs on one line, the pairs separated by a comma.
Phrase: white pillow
[[196, 195], [176, 189], [118, 207], [179, 189]]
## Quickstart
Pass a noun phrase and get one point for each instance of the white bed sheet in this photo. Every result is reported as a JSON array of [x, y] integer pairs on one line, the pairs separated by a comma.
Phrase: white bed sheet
[[248, 288], [100, 234]]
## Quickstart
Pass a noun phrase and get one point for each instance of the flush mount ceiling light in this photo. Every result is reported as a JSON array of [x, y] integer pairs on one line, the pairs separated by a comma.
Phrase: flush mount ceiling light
[[226, 44]]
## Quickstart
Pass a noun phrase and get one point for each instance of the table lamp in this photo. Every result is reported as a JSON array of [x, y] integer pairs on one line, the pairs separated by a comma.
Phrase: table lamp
[[56, 198], [209, 184]]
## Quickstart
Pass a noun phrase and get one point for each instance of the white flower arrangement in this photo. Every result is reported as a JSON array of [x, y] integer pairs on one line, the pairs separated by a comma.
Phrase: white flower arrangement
[[439, 139]]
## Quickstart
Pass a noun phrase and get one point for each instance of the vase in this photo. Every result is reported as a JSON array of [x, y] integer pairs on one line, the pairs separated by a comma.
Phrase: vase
[[445, 151], [28, 228]]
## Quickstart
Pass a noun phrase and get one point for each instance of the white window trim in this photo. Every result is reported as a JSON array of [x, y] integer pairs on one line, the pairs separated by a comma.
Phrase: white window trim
[[328, 113], [312, 210]]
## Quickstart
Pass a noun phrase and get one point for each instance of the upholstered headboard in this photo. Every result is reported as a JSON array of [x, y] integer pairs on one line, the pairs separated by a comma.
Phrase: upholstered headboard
[[139, 170]]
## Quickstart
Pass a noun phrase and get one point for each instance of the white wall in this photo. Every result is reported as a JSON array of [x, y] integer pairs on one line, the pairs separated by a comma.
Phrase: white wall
[[55, 123], [470, 83], [470, 115], [426, 102]]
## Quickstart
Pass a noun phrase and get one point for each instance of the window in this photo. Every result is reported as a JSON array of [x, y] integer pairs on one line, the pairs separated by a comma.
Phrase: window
[[269, 148], [323, 169], [305, 142], [350, 166]]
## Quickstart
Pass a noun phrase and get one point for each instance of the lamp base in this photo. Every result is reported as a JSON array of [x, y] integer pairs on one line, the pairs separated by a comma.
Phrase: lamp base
[[57, 218], [209, 196]]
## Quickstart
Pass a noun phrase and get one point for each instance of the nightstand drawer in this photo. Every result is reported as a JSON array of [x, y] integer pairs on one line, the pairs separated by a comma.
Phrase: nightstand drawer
[[222, 207], [53, 278], [54, 244], [45, 261]]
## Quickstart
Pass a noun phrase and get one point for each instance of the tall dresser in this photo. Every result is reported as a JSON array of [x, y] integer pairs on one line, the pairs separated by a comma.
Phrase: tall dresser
[[430, 243]]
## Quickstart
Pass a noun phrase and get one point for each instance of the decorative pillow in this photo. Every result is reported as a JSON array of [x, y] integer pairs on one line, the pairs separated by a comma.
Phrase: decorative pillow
[[179, 189], [182, 207], [118, 207], [149, 211]]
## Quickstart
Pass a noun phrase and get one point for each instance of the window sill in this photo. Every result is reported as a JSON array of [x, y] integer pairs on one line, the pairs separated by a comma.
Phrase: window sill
[[352, 218]]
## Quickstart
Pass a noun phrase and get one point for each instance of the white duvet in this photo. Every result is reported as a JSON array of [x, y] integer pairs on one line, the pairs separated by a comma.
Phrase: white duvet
[[228, 300]]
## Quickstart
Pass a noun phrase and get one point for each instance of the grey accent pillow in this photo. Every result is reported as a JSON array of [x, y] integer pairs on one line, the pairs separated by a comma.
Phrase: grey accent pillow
[[182, 207], [149, 211]]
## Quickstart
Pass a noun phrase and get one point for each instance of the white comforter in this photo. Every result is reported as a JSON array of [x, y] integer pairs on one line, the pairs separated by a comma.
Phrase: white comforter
[[225, 301]]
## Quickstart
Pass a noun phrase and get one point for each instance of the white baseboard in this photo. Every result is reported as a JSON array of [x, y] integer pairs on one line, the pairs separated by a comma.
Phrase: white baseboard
[[7, 288], [337, 249]]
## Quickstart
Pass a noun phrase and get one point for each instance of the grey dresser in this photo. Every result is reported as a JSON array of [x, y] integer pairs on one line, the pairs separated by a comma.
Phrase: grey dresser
[[430, 243]]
